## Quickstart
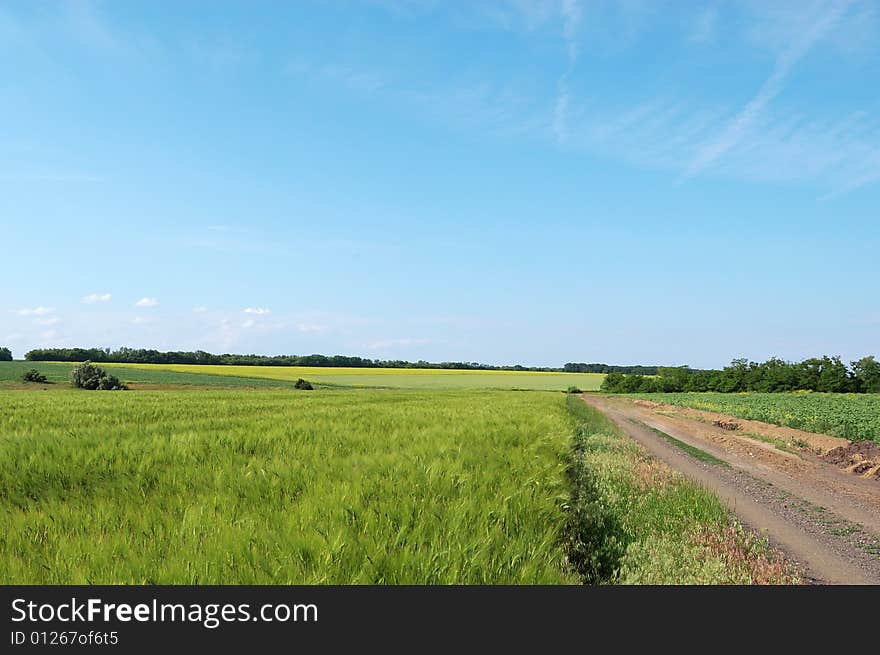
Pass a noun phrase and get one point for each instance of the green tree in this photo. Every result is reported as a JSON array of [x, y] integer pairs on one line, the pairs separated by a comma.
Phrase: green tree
[[834, 377], [613, 383], [734, 377], [34, 376], [5, 355], [94, 378], [672, 379], [866, 372]]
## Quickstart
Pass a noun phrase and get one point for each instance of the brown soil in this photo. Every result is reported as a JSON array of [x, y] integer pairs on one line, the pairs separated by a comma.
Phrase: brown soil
[[806, 492], [860, 457]]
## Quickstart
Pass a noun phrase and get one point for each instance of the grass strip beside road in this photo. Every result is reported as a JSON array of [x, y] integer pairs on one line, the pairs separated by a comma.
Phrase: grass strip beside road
[[632, 520]]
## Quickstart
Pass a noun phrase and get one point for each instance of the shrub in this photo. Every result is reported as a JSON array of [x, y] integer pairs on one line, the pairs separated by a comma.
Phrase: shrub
[[304, 385], [613, 383], [94, 378], [35, 376], [573, 389], [5, 355]]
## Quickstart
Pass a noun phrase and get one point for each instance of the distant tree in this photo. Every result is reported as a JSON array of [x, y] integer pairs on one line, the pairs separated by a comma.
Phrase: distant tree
[[94, 378], [834, 377], [34, 376], [827, 374], [5, 355], [672, 379], [774, 375], [867, 374], [637, 384], [703, 381], [576, 367], [809, 372], [734, 377], [613, 383], [303, 385]]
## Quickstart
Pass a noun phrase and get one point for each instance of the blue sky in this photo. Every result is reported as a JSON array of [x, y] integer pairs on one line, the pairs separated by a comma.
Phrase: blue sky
[[514, 181]]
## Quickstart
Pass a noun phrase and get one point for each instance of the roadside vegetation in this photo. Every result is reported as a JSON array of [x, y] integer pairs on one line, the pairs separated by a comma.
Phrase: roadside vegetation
[[634, 521]]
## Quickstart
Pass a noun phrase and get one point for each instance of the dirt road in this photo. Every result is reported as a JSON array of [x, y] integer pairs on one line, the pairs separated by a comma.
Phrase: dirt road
[[825, 519]]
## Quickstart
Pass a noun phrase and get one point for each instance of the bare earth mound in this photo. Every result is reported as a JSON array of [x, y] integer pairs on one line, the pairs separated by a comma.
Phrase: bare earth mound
[[860, 457]]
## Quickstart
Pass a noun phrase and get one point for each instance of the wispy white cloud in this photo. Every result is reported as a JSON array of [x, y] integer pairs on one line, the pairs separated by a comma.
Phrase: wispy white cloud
[[50, 320], [249, 323], [310, 328], [763, 139], [348, 76], [35, 311], [705, 26], [147, 302], [218, 55], [571, 19], [821, 22], [560, 115], [837, 154], [91, 27], [199, 309], [259, 311], [88, 25], [97, 297], [218, 228]]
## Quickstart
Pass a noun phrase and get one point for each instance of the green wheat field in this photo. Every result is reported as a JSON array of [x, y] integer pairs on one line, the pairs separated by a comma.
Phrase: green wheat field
[[197, 478]]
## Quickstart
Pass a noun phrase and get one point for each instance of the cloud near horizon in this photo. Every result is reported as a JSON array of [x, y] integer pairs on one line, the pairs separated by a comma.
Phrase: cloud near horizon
[[96, 297], [35, 311]]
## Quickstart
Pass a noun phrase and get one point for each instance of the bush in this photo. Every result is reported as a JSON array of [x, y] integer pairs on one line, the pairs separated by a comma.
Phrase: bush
[[304, 385], [573, 389], [35, 376], [94, 378], [5, 355]]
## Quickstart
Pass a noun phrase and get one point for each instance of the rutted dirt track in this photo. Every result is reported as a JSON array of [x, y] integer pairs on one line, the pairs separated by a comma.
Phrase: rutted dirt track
[[822, 513]]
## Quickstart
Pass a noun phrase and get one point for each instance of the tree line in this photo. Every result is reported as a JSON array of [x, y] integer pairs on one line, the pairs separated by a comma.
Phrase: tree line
[[573, 367], [148, 356], [828, 374]]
